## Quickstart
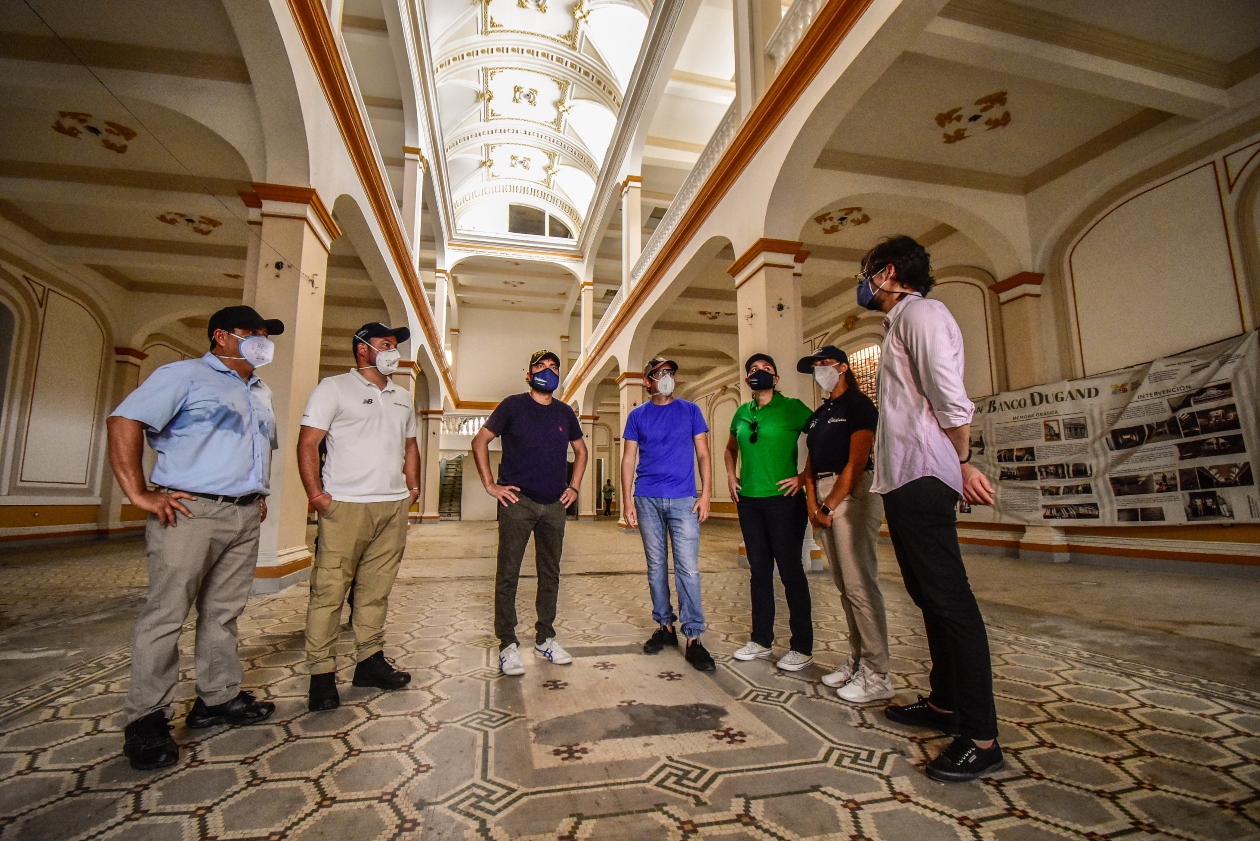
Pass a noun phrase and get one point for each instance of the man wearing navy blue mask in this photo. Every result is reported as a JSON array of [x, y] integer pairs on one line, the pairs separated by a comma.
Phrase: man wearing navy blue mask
[[533, 491]]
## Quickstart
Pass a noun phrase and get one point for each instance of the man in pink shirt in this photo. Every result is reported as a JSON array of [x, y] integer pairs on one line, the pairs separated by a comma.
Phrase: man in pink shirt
[[922, 467]]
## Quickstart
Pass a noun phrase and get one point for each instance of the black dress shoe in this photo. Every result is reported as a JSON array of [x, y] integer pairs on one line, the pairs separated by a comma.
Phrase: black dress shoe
[[921, 714], [699, 657], [148, 744], [377, 671], [323, 694], [964, 760], [243, 709], [662, 637]]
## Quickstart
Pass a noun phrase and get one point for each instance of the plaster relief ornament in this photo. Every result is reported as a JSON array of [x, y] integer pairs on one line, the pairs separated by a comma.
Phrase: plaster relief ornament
[[713, 315], [522, 94], [972, 118], [834, 220], [75, 123], [850, 323], [513, 283], [203, 225], [522, 161]]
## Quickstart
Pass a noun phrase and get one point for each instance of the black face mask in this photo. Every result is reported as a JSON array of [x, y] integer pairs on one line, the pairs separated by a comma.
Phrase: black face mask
[[545, 381], [761, 380]]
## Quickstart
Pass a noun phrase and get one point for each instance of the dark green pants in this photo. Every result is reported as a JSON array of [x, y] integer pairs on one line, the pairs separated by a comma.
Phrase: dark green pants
[[517, 521]]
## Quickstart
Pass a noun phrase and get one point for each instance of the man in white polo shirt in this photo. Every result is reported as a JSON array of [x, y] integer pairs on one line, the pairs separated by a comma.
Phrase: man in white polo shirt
[[370, 480]]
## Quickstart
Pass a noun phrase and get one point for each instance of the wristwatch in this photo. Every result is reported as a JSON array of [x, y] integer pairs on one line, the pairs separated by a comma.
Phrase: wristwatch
[[825, 509]]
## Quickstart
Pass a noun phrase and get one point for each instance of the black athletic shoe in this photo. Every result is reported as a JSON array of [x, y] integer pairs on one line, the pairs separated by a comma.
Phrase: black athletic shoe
[[920, 714], [699, 657], [963, 760], [378, 672], [243, 709], [323, 693], [661, 638], [148, 744]]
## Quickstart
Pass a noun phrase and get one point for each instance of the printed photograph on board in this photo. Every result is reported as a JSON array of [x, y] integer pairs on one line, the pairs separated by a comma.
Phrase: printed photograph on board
[[1212, 393], [1233, 475], [1052, 471], [1207, 505], [1075, 428], [1025, 453], [1075, 511], [1220, 445], [1005, 455], [1053, 430]]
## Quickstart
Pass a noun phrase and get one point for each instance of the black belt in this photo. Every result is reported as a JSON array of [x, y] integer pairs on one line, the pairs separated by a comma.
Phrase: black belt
[[247, 499]]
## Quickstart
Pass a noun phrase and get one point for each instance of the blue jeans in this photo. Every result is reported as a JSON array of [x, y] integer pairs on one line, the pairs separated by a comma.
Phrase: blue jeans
[[660, 517]]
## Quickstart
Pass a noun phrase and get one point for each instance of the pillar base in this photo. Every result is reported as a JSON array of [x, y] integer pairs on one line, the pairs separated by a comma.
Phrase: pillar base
[[293, 567], [1046, 544]]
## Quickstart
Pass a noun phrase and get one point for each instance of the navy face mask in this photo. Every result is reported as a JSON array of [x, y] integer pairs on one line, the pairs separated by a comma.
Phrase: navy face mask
[[761, 380], [545, 381]]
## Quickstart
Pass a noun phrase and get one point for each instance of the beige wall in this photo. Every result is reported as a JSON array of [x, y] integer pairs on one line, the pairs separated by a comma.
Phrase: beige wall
[[494, 350]]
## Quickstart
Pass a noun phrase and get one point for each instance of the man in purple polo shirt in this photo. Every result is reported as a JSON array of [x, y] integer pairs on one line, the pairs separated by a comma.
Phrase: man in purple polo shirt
[[534, 491]]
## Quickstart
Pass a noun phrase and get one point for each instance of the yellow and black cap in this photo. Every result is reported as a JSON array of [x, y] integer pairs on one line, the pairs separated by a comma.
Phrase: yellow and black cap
[[540, 355]]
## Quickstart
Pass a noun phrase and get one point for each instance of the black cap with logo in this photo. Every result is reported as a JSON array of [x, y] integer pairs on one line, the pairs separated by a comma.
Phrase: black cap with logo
[[242, 318], [806, 363], [376, 330], [760, 357]]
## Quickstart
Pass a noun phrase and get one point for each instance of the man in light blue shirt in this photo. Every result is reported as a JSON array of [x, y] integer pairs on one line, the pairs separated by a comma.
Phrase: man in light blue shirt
[[668, 437], [211, 422]]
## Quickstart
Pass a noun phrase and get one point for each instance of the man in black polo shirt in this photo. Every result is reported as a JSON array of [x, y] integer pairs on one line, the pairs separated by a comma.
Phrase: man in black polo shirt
[[846, 518], [534, 492]]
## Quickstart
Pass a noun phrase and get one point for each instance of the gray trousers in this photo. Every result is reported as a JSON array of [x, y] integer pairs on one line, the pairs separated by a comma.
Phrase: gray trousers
[[205, 560], [517, 521], [850, 547]]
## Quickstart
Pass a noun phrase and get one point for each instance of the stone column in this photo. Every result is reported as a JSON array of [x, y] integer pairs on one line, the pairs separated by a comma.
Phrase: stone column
[[414, 167], [588, 496], [630, 392], [1045, 543], [755, 22], [564, 356], [431, 449], [452, 350], [441, 289], [116, 514], [631, 226], [588, 313], [297, 231], [253, 207], [1019, 297]]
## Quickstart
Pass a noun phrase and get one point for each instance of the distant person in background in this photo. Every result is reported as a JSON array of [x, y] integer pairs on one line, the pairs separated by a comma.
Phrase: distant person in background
[[846, 517], [537, 431], [922, 468], [211, 422], [772, 513], [609, 493], [667, 436]]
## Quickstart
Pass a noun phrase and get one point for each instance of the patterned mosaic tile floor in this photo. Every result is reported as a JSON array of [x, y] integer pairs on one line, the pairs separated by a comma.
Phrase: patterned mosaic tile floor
[[624, 746]]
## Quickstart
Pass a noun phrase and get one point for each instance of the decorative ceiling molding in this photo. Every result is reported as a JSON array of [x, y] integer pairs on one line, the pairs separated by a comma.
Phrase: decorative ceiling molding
[[475, 54], [502, 134], [522, 188]]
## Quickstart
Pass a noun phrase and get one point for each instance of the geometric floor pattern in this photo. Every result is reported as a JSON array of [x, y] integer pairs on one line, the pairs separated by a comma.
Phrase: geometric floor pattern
[[620, 745]]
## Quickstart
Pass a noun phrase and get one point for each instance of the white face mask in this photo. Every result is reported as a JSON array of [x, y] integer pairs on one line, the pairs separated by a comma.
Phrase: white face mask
[[387, 361], [256, 350], [665, 385], [827, 377]]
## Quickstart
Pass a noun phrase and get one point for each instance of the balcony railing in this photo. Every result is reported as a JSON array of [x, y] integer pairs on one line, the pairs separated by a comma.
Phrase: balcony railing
[[462, 424], [705, 164], [791, 29]]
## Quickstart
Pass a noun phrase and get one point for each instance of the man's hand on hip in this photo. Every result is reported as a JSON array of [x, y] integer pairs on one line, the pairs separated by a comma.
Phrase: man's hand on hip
[[320, 503], [977, 490], [164, 505], [503, 493]]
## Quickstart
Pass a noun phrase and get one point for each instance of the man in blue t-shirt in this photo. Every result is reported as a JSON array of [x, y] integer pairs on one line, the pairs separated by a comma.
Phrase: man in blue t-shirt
[[534, 490], [668, 437]]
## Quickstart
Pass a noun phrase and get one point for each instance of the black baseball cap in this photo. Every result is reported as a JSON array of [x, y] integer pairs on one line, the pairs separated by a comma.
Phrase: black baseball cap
[[760, 357], [540, 355], [241, 317], [806, 363], [376, 330], [658, 361]]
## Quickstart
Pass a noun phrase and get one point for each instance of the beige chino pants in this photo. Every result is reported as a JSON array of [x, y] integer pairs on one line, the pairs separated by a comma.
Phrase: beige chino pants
[[361, 542], [850, 547], [205, 560]]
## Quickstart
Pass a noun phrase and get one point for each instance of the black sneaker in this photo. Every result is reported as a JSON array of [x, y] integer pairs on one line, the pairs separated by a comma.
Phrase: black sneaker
[[323, 693], [662, 637], [699, 657], [964, 760], [378, 671], [148, 744], [921, 714], [243, 709]]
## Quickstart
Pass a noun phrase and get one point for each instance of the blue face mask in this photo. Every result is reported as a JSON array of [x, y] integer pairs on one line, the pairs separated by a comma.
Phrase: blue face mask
[[866, 295], [545, 381]]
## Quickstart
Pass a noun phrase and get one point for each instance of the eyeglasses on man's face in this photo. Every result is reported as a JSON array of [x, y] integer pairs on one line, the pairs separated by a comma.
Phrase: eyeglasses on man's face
[[661, 372]]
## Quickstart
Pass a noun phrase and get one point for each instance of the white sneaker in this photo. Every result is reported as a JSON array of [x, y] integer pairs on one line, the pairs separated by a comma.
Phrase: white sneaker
[[553, 652], [867, 686], [794, 661], [842, 675], [510, 661], [752, 651]]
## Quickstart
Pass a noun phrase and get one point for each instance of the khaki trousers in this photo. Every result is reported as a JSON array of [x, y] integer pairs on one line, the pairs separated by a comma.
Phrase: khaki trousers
[[361, 542], [850, 547], [207, 560]]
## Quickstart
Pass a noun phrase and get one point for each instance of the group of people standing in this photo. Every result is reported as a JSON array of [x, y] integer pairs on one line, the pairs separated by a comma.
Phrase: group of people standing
[[211, 422]]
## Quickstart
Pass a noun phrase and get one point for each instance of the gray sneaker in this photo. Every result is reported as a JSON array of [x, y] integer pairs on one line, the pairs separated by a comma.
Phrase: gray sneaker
[[510, 661]]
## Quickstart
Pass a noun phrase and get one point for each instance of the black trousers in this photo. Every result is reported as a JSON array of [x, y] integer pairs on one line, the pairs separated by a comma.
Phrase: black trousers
[[517, 521], [922, 522], [774, 532]]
